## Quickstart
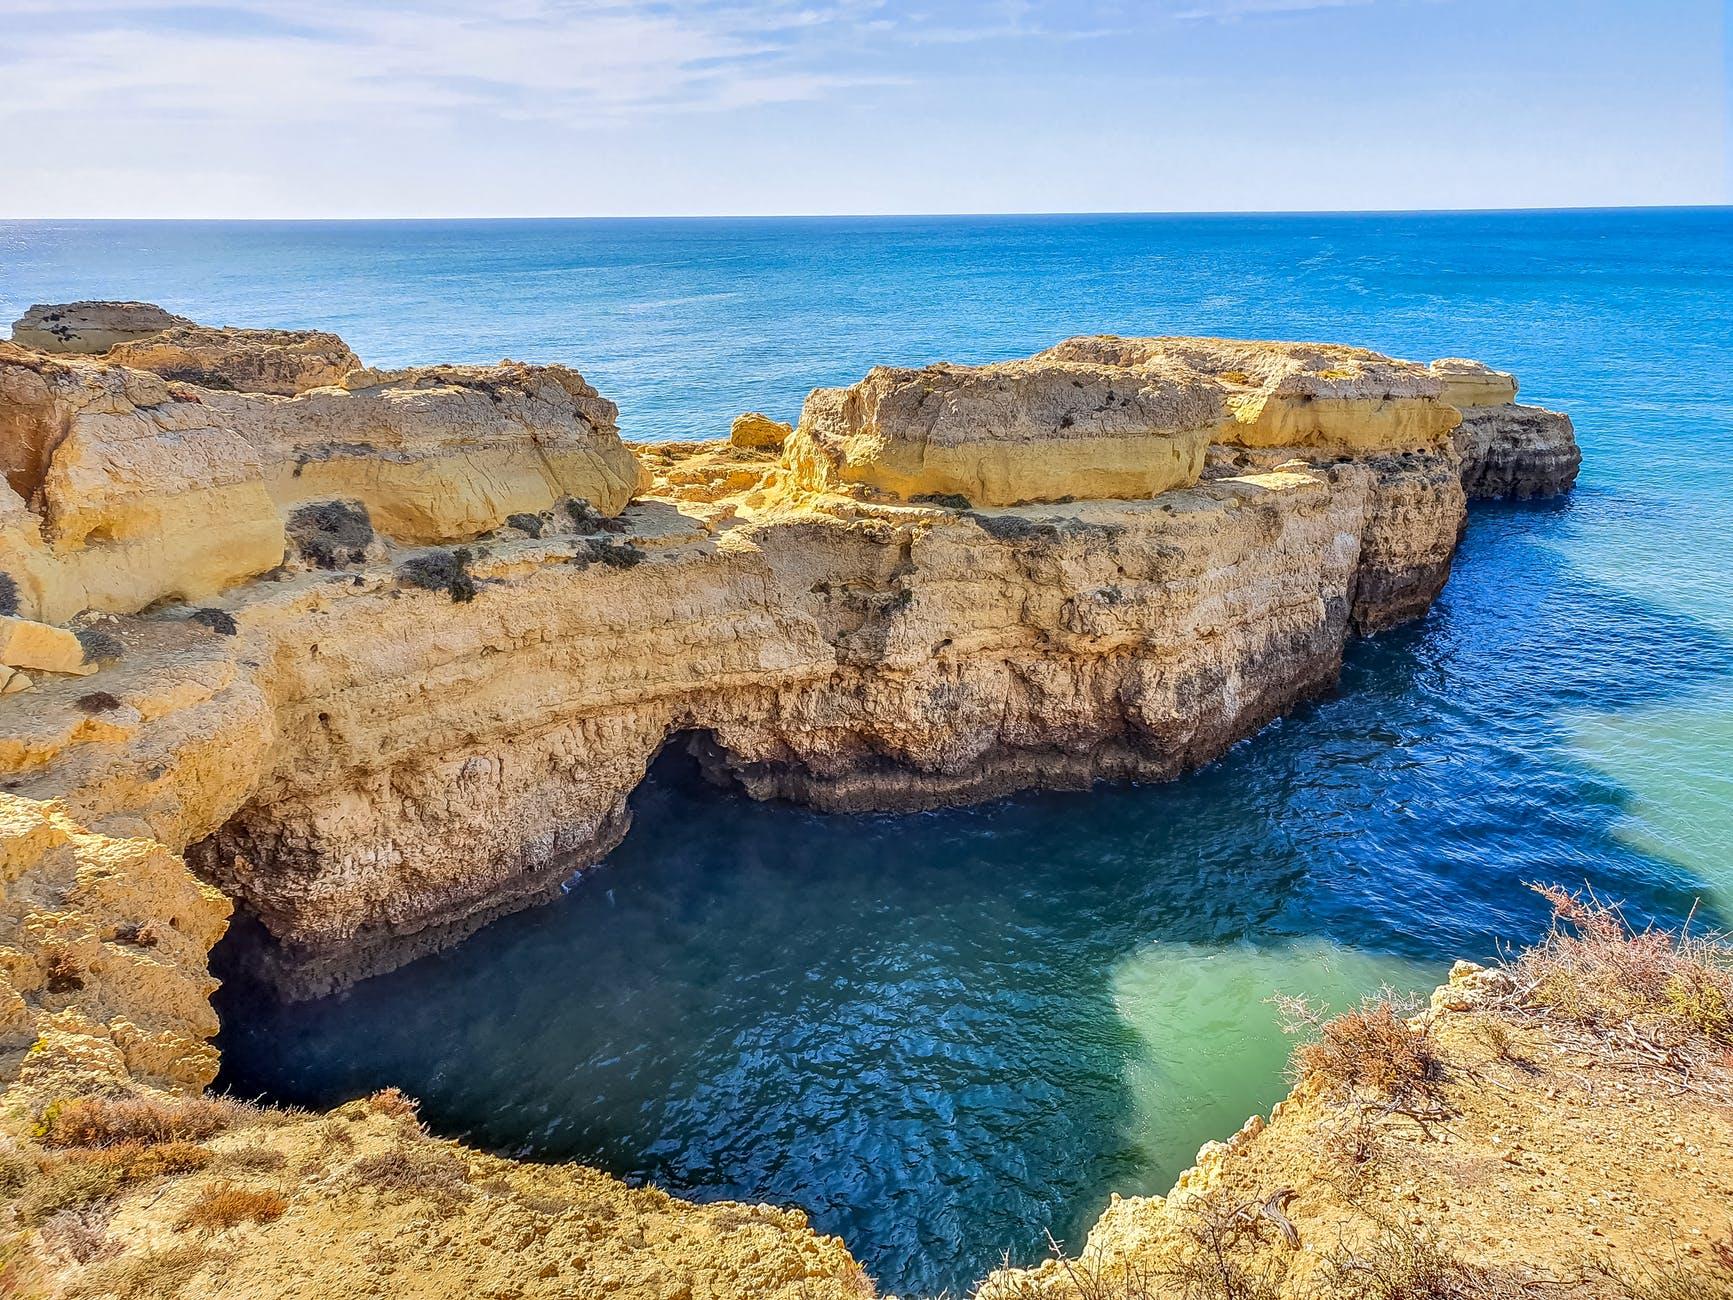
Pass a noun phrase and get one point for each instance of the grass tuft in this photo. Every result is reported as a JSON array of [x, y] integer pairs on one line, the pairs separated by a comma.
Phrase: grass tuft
[[224, 1205]]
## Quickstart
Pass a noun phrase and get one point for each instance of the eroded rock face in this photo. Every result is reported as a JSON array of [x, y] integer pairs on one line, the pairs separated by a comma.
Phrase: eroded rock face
[[1313, 395], [103, 946], [441, 453], [90, 327], [1517, 452], [1008, 434], [1509, 451], [284, 362], [123, 488], [396, 768]]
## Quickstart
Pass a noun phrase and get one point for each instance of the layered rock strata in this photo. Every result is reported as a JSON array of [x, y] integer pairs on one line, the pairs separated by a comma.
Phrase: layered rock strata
[[1009, 434], [88, 328], [284, 362], [1507, 450], [124, 489], [373, 771]]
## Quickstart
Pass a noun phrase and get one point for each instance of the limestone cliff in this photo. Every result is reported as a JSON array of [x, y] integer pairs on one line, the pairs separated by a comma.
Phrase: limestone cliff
[[284, 362], [123, 488], [87, 328], [944, 585], [386, 771]]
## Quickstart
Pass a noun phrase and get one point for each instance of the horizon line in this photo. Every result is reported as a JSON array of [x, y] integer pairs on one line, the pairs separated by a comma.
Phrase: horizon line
[[866, 216]]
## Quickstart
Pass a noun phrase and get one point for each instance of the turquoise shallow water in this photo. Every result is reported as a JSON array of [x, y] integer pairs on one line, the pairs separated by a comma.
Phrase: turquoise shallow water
[[943, 1034]]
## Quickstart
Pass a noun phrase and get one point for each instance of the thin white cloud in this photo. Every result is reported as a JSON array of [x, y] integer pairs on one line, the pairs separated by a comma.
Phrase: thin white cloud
[[323, 62]]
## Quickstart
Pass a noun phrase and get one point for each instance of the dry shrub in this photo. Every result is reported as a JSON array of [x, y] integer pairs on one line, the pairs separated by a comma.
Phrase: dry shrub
[[1223, 1257], [392, 1102], [136, 1162], [1352, 1152], [1370, 1051], [79, 1234], [1667, 991], [140, 934], [1220, 1261], [446, 571], [1410, 1263], [61, 972], [1494, 1035], [224, 1205], [17, 1166], [435, 1174], [101, 1121]]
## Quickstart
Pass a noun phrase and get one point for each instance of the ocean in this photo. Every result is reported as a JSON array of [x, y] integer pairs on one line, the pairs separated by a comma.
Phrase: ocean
[[944, 1035]]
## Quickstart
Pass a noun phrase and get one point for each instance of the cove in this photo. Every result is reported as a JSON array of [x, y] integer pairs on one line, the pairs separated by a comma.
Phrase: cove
[[945, 1034]]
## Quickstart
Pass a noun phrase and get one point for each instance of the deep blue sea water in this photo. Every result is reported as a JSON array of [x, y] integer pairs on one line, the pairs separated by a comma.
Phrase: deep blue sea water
[[944, 1034]]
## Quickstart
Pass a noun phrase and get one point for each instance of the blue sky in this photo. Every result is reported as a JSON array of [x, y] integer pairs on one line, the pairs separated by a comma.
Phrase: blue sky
[[355, 108]]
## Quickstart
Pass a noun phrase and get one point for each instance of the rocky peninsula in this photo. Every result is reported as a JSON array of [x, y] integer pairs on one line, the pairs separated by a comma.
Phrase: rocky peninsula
[[372, 657]]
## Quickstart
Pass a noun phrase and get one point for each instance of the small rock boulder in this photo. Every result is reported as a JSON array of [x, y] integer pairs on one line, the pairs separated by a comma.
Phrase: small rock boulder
[[43, 647], [758, 431], [90, 327]]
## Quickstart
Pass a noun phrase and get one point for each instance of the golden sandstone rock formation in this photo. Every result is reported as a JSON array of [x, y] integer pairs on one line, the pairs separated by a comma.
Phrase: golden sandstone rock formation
[[1109, 562], [284, 362]]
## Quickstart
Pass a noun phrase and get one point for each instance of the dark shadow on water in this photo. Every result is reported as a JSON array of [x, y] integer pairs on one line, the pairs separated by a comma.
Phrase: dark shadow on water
[[916, 1027]]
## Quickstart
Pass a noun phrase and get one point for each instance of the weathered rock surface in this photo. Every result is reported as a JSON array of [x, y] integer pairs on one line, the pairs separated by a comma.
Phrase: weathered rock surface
[[1008, 434], [1313, 395], [1509, 451], [121, 490], [440, 453], [760, 431], [41, 646], [90, 327], [1470, 383], [1517, 452], [124, 488], [103, 946], [284, 362]]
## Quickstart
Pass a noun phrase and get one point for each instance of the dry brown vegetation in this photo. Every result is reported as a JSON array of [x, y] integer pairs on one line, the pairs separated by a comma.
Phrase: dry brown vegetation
[[392, 1102], [1653, 998], [1370, 1053], [225, 1205], [1407, 1262], [103, 1121], [158, 1275], [435, 1174]]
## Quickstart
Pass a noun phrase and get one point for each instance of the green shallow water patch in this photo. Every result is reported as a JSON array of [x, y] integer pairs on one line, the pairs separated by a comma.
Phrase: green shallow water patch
[[1211, 1047]]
